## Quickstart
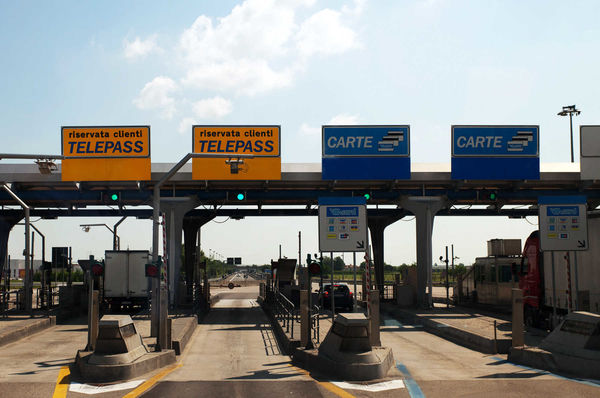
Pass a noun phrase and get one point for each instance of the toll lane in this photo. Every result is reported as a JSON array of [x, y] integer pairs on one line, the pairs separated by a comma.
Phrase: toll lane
[[234, 353], [30, 366], [441, 368]]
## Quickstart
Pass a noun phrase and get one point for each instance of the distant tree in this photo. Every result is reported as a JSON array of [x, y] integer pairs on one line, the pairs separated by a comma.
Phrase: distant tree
[[338, 264]]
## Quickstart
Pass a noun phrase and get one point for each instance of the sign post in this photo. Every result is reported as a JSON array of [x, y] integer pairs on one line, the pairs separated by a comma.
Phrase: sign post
[[563, 227], [342, 224], [342, 228]]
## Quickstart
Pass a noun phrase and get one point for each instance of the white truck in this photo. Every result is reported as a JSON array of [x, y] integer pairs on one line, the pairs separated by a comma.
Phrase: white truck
[[125, 282]]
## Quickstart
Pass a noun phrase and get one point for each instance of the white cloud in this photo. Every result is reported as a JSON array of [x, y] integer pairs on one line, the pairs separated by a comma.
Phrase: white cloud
[[185, 125], [325, 33], [260, 46], [357, 9], [254, 49], [212, 108], [140, 48], [156, 95], [244, 77], [344, 119], [306, 129]]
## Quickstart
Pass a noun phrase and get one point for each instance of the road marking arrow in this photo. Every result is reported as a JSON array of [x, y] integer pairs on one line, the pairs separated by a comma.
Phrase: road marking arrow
[[360, 244]]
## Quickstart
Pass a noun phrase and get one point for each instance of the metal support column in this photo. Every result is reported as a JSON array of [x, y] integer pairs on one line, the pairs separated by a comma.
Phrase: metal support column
[[424, 208], [377, 226]]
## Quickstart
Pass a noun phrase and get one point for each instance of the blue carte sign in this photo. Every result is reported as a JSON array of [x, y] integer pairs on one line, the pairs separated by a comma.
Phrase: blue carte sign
[[366, 152], [495, 152]]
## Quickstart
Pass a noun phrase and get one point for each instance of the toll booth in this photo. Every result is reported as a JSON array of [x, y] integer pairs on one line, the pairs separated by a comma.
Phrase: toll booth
[[284, 275]]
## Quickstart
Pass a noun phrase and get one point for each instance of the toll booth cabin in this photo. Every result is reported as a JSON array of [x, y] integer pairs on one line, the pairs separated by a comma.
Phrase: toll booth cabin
[[284, 276], [491, 279]]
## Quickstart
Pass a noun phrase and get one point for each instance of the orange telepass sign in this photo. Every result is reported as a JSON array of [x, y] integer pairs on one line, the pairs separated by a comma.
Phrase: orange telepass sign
[[106, 142], [236, 152], [106, 153]]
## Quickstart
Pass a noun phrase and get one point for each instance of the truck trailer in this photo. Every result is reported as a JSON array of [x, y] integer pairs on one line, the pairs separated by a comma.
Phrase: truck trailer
[[125, 282]]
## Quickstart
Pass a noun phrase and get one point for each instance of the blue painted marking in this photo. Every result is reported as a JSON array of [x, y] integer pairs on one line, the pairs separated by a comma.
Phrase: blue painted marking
[[587, 382], [411, 385], [392, 322]]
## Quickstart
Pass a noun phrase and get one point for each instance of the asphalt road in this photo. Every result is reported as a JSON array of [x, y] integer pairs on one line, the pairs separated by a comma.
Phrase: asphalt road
[[234, 354]]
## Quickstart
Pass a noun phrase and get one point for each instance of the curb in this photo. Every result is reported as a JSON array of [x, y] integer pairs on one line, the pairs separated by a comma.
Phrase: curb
[[109, 373], [188, 330], [459, 336], [27, 330], [555, 362]]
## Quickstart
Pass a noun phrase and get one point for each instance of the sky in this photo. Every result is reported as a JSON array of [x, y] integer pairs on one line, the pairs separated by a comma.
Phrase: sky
[[300, 64]]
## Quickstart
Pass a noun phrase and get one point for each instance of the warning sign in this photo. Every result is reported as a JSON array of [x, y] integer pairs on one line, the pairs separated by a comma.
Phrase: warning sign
[[238, 153], [105, 153]]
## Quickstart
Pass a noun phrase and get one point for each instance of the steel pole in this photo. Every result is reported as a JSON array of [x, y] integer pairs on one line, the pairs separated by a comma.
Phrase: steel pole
[[28, 281], [332, 290], [571, 124], [553, 293], [116, 239], [355, 292]]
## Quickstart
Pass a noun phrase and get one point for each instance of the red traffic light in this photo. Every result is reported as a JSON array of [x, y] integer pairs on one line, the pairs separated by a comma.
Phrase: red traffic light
[[97, 269], [314, 268], [152, 271]]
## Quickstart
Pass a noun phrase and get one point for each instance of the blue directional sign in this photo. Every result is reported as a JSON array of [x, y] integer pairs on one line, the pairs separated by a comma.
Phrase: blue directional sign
[[366, 152], [495, 152]]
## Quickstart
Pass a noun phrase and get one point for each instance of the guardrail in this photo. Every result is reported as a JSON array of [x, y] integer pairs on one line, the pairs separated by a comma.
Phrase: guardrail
[[285, 312], [315, 323]]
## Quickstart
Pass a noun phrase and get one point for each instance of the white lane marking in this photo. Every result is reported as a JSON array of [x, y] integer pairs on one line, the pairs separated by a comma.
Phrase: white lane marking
[[91, 389], [383, 386]]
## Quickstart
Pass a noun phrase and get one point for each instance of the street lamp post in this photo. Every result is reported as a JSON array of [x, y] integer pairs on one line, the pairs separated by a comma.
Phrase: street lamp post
[[570, 110], [116, 238]]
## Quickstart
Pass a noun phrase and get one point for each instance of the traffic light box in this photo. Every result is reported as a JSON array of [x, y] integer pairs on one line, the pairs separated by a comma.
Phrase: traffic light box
[[97, 267], [153, 268], [111, 198], [314, 266]]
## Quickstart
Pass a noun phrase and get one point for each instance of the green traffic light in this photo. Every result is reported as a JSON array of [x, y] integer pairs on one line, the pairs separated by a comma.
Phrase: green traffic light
[[493, 196], [367, 196], [114, 196], [240, 196]]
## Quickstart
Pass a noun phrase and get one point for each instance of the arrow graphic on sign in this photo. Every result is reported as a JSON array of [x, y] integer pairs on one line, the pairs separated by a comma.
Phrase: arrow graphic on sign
[[360, 244], [581, 244]]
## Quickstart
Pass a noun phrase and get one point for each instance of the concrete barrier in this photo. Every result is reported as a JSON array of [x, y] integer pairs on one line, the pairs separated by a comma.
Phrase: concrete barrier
[[459, 336], [32, 326], [183, 333]]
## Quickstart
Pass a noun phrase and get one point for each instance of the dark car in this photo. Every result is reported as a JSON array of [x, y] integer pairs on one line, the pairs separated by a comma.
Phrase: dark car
[[343, 297]]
